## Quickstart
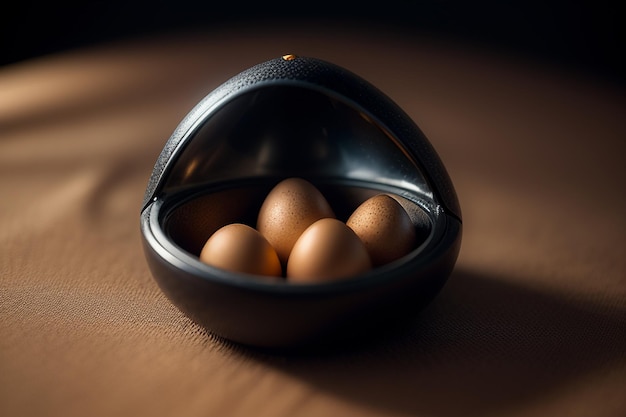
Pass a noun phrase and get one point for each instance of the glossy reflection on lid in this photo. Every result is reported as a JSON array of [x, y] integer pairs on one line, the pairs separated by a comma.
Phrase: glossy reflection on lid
[[292, 131]]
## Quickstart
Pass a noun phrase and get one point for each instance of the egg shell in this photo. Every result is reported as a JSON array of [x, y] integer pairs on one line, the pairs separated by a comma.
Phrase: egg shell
[[384, 227], [288, 209], [240, 248], [327, 250]]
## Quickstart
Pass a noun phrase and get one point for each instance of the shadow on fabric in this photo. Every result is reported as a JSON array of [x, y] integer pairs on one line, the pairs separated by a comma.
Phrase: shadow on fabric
[[483, 345]]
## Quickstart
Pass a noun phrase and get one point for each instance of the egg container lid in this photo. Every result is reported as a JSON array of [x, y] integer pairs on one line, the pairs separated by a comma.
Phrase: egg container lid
[[300, 116], [304, 117]]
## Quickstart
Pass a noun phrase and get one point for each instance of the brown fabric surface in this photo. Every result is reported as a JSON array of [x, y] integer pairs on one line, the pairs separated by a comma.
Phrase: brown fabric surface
[[532, 321]]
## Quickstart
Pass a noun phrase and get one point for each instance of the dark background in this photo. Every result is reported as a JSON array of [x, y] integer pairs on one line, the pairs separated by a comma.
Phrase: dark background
[[585, 35]]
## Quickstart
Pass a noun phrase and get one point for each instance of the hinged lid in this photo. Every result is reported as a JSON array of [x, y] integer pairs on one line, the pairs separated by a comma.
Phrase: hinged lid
[[297, 116]]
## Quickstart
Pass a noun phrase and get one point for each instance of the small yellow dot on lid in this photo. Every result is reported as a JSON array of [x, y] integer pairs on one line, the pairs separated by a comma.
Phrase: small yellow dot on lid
[[289, 57]]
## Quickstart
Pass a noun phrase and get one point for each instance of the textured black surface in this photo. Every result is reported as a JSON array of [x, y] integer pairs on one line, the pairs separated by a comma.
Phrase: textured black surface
[[320, 75]]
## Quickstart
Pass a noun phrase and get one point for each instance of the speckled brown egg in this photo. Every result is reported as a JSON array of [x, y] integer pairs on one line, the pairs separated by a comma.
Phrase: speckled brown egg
[[240, 248], [289, 208], [384, 227], [327, 250]]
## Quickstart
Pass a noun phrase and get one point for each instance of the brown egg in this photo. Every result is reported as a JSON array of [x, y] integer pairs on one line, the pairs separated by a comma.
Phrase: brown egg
[[384, 227], [238, 247], [289, 208], [327, 250]]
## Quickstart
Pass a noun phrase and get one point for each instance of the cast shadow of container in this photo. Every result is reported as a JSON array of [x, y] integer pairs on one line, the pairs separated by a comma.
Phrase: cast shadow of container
[[483, 346]]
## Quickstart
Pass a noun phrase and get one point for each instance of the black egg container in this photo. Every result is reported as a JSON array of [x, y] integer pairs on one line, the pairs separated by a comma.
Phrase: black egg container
[[295, 117]]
